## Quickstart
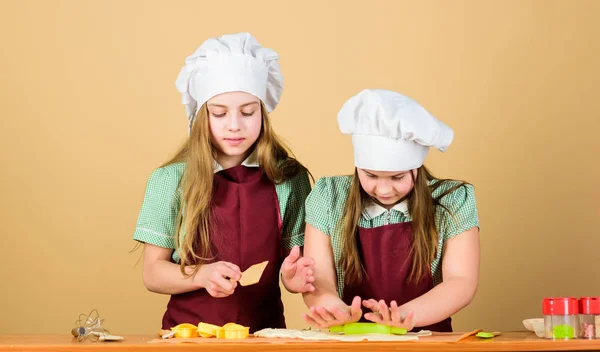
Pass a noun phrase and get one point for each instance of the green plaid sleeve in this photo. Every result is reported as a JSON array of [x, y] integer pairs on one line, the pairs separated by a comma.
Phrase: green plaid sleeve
[[325, 203], [318, 206], [461, 202], [158, 215], [293, 217]]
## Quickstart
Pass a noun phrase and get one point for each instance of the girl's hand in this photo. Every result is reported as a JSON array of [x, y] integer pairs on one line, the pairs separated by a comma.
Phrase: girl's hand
[[219, 279], [298, 273], [391, 316], [321, 317]]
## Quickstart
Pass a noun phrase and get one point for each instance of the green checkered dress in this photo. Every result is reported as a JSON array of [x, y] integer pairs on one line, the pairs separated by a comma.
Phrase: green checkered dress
[[157, 218], [325, 207]]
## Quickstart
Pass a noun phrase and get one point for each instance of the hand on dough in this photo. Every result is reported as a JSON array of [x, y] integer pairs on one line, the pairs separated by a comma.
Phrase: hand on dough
[[391, 316], [322, 317]]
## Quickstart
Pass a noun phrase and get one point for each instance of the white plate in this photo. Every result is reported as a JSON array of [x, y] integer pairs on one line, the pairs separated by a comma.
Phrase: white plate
[[536, 325]]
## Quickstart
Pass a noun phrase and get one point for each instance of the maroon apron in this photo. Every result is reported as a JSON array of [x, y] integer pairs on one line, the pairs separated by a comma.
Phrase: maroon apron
[[385, 253], [245, 231]]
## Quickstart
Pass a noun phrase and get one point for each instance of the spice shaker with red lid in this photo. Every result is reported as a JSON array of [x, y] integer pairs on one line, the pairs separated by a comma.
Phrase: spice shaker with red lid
[[561, 317], [589, 318]]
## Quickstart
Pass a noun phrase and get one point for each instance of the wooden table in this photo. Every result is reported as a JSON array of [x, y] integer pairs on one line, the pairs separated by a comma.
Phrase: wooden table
[[508, 341]]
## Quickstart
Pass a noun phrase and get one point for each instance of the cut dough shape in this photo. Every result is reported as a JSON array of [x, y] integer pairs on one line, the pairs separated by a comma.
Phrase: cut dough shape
[[252, 275]]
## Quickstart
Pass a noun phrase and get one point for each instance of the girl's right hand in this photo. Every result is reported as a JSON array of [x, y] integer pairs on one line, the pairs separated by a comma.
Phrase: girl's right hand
[[219, 279], [321, 317]]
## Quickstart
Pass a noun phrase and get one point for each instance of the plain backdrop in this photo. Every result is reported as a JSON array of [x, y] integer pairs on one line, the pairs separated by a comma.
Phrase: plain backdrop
[[89, 109]]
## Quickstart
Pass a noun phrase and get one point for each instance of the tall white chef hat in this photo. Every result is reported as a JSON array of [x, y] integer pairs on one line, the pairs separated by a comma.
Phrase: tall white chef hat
[[391, 132], [232, 62]]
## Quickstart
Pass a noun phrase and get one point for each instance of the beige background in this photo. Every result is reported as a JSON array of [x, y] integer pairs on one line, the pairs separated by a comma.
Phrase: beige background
[[89, 108]]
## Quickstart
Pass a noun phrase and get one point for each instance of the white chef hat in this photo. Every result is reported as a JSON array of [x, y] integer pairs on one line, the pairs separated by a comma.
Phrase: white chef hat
[[391, 132], [232, 62]]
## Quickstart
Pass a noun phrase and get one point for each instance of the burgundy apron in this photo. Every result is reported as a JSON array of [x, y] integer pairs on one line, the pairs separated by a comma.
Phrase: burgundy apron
[[386, 256], [245, 231]]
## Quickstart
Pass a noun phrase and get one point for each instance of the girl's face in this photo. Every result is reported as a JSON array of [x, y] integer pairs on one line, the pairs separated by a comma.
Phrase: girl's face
[[385, 187], [235, 120]]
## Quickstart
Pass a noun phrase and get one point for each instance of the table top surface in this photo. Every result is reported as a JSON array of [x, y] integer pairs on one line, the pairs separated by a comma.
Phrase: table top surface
[[508, 341]]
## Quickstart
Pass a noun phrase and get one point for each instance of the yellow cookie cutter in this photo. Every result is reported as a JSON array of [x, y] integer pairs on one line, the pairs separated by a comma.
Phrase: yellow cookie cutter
[[185, 330], [208, 330], [232, 331], [229, 331]]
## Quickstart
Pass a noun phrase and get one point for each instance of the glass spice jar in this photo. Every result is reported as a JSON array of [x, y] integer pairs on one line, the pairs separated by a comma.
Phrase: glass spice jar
[[561, 318], [589, 318]]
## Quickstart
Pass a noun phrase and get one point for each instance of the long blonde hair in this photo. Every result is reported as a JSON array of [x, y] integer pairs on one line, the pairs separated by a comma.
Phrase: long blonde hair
[[196, 184], [422, 207]]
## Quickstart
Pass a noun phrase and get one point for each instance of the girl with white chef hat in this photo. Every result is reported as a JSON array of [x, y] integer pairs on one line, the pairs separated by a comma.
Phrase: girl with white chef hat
[[392, 244], [230, 198]]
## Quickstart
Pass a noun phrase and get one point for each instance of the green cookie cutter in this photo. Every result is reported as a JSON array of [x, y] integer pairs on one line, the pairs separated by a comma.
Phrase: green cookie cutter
[[367, 328]]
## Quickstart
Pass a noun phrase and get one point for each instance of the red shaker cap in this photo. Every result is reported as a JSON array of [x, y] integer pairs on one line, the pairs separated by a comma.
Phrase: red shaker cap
[[560, 306], [589, 305]]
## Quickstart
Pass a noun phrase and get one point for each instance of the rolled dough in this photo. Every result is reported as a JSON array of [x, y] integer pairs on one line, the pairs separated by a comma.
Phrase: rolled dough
[[321, 335]]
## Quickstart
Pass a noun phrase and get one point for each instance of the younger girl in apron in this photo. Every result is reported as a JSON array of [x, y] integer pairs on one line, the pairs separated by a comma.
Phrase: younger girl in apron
[[392, 244], [231, 197]]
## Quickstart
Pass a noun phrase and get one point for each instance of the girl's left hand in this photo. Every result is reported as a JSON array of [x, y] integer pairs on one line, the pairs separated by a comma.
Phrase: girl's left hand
[[391, 316], [298, 273]]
